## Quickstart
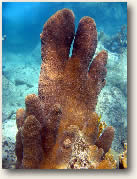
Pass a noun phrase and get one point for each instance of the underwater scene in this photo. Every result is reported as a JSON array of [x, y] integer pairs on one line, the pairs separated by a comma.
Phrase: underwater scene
[[64, 85]]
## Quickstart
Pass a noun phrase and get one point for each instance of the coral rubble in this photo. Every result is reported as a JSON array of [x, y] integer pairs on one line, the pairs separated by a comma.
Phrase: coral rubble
[[59, 127]]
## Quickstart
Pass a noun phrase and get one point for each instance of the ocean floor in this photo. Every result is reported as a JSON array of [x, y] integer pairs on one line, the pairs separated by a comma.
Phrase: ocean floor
[[20, 79]]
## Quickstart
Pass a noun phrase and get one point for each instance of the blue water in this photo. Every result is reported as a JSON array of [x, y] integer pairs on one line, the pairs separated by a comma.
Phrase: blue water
[[22, 24]]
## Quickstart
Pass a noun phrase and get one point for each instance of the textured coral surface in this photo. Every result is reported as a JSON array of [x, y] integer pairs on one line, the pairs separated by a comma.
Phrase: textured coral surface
[[59, 127]]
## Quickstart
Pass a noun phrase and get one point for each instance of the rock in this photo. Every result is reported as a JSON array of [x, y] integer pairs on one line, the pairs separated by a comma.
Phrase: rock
[[112, 105], [5, 143]]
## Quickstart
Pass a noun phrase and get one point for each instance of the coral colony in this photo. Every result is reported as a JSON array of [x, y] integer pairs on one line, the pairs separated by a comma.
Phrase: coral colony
[[59, 128]]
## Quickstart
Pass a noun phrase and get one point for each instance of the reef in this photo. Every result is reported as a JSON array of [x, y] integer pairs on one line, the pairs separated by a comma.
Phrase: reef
[[116, 43], [59, 128]]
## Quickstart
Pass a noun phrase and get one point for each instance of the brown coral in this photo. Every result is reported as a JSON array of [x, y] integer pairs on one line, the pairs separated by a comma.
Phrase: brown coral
[[105, 140], [32, 146], [20, 117], [64, 109], [19, 149]]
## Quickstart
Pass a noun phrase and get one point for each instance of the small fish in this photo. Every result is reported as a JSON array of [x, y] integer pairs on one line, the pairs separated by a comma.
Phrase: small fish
[[4, 37]]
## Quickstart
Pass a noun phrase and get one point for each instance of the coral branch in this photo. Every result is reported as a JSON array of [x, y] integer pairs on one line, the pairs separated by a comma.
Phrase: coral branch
[[105, 140], [85, 42], [20, 117], [32, 146], [19, 149]]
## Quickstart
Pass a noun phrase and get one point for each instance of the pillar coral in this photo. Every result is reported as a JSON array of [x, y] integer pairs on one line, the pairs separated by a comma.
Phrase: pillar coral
[[64, 109]]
